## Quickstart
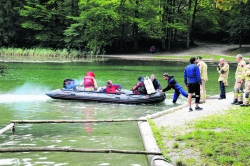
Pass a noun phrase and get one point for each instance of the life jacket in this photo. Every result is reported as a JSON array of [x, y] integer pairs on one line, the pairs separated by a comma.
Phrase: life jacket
[[89, 80], [111, 88], [142, 89]]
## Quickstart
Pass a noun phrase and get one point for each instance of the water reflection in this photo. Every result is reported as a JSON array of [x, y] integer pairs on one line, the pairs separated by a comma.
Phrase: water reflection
[[88, 112]]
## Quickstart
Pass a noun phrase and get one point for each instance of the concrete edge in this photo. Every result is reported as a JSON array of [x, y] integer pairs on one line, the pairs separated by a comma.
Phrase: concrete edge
[[150, 144]]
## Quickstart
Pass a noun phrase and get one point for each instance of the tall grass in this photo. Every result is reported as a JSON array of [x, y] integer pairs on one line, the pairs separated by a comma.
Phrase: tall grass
[[17, 53]]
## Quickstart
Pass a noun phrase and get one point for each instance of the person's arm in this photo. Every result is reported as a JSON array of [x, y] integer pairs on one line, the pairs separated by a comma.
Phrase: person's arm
[[136, 86], [198, 75], [167, 88], [185, 77], [224, 68], [158, 85]]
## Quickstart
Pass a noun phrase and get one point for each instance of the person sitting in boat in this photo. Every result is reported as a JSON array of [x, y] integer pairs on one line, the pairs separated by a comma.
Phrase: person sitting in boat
[[172, 84], [140, 87], [113, 88], [155, 82], [89, 82]]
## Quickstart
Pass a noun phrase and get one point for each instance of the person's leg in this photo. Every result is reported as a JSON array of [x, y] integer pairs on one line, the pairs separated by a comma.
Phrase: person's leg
[[176, 95], [237, 86], [223, 90], [203, 91], [190, 94], [197, 96]]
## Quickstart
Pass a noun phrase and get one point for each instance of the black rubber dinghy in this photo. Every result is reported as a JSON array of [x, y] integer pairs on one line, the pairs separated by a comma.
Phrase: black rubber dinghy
[[126, 96]]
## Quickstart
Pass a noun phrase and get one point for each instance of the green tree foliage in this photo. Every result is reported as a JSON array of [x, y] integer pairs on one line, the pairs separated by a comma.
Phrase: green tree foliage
[[3, 69], [9, 21], [122, 25]]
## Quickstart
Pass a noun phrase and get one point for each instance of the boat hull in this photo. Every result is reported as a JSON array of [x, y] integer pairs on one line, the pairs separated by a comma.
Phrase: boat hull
[[127, 97]]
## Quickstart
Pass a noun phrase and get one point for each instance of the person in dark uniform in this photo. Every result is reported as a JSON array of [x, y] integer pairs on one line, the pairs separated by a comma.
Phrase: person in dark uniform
[[172, 84], [156, 83]]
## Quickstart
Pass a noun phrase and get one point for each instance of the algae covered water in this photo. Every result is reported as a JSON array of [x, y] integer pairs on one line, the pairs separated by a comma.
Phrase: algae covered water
[[22, 96]]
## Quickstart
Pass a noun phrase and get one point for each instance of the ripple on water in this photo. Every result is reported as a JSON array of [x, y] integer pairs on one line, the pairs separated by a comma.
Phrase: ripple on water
[[9, 161], [103, 164]]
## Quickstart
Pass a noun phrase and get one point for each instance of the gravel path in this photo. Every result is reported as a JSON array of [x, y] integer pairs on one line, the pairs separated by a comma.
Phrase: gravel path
[[181, 116]]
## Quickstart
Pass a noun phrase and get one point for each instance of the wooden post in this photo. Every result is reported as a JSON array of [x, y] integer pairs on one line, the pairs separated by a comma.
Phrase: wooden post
[[40, 149], [10, 126], [76, 121]]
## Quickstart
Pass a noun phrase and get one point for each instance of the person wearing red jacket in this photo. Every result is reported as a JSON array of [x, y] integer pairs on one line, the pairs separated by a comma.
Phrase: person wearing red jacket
[[89, 82], [112, 88], [139, 88]]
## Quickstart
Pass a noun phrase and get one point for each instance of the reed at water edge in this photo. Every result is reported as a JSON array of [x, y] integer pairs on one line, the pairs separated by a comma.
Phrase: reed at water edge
[[48, 53]]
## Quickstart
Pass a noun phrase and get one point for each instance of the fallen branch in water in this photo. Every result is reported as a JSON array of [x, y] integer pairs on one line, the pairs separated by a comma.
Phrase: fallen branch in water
[[76, 121], [41, 149]]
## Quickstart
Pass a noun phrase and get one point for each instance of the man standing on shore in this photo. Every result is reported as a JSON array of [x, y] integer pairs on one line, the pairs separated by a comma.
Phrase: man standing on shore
[[203, 72], [246, 77], [193, 81], [223, 70], [239, 82]]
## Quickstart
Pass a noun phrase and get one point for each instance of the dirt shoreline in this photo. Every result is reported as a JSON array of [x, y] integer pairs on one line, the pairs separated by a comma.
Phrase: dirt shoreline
[[223, 50]]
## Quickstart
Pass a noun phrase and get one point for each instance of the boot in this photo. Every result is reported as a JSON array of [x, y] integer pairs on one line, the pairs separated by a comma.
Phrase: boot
[[239, 103], [235, 101]]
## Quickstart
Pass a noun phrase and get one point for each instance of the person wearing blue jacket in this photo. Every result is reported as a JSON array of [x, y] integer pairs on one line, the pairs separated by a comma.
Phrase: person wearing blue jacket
[[172, 84], [192, 80]]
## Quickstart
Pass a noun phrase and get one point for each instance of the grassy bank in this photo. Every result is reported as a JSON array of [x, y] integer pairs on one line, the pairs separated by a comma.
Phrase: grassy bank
[[215, 140], [46, 54]]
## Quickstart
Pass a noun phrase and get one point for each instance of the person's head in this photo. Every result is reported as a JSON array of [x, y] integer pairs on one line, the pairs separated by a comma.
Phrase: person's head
[[222, 61], [192, 60], [140, 78], [152, 77], [199, 58], [109, 82], [165, 76], [238, 57]]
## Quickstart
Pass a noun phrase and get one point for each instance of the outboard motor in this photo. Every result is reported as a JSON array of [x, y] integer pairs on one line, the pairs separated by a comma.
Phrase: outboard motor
[[69, 84]]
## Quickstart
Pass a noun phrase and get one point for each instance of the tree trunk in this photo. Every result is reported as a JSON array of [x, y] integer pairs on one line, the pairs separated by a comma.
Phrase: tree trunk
[[240, 38], [188, 23], [193, 21], [135, 28]]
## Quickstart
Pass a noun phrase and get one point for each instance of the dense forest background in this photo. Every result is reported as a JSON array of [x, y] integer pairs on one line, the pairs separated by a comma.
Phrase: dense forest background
[[122, 26]]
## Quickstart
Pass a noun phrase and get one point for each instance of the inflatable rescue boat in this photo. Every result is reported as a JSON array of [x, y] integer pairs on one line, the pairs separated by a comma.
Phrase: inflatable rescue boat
[[70, 92]]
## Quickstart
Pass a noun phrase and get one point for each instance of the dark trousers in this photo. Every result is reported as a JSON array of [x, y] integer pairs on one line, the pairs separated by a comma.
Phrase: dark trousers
[[222, 90]]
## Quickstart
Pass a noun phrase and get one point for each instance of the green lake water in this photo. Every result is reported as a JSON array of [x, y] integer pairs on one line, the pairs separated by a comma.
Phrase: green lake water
[[22, 96]]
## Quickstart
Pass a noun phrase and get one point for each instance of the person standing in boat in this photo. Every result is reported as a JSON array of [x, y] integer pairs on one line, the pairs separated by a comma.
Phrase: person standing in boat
[[139, 88], [155, 82], [89, 82], [172, 84]]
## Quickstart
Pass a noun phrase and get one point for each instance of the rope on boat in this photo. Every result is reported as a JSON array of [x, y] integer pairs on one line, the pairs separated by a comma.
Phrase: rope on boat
[[41, 149], [76, 121]]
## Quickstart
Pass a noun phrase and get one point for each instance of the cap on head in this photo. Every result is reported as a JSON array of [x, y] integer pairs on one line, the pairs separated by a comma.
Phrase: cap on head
[[165, 74], [199, 57], [238, 56]]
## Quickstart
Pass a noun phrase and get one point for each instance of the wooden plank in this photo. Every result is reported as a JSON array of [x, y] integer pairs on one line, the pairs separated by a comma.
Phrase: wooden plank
[[42, 149], [8, 127]]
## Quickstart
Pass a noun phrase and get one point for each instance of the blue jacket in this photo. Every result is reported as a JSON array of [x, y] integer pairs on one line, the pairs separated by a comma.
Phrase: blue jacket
[[192, 74]]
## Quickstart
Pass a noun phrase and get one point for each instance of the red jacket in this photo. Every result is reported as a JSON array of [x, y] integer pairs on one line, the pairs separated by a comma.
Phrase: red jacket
[[112, 88]]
